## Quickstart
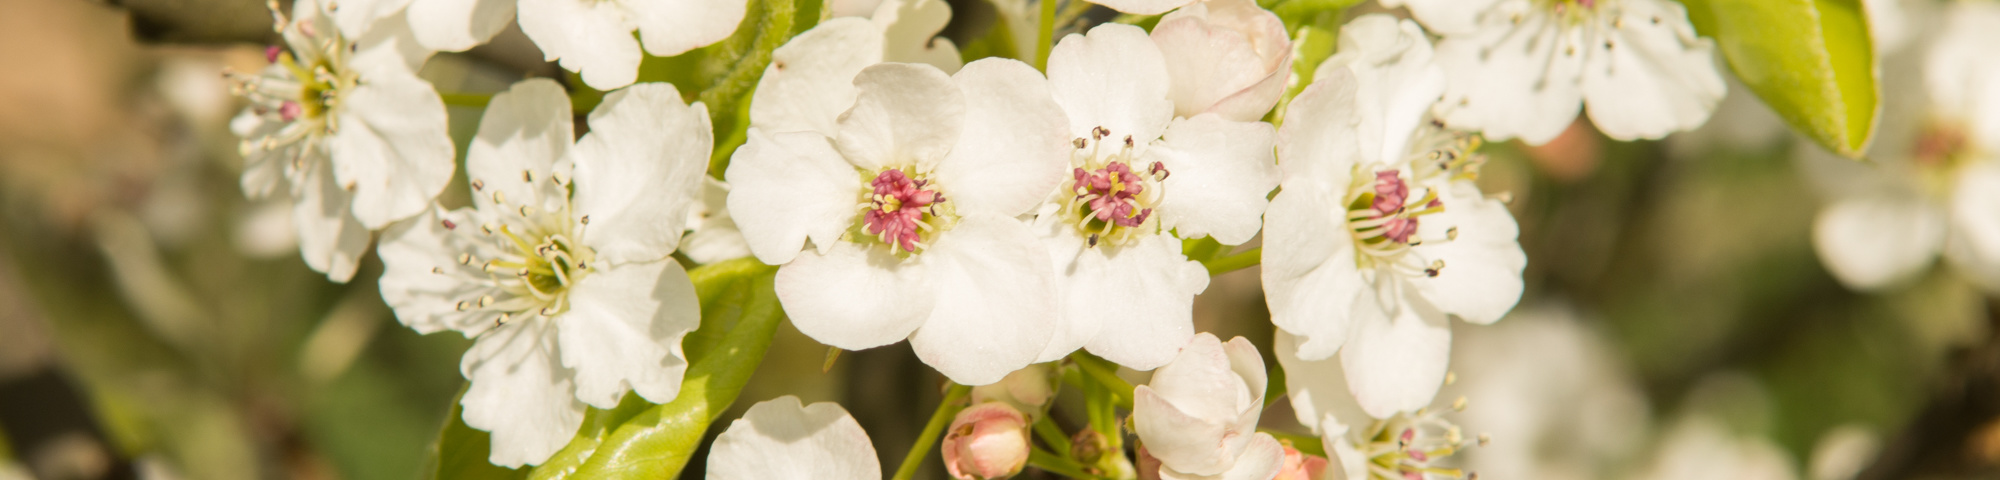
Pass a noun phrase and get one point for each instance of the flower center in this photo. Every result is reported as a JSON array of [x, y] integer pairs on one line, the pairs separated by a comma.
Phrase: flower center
[[1383, 217], [899, 209], [1413, 446], [539, 256], [306, 89], [1110, 202]]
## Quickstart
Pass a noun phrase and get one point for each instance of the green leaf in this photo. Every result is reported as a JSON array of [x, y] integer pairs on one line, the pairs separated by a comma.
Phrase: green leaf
[[1810, 60], [739, 314], [461, 452]]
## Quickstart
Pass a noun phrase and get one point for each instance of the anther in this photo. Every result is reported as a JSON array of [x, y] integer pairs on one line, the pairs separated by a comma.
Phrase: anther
[[527, 176], [585, 220], [1450, 378], [437, 270], [485, 301], [527, 210], [449, 226], [478, 185], [499, 197], [461, 306], [1079, 143], [1458, 405], [465, 259], [1485, 439], [1451, 233]]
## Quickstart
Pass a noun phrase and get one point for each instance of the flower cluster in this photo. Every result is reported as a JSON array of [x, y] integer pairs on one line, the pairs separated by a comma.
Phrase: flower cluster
[[998, 216]]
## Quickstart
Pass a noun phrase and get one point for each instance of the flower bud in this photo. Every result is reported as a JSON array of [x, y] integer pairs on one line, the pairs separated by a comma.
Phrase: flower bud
[[1300, 466], [1028, 389], [989, 440]]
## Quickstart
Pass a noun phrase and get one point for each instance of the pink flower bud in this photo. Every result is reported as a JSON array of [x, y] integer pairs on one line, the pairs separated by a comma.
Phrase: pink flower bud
[[1299, 466], [987, 441]]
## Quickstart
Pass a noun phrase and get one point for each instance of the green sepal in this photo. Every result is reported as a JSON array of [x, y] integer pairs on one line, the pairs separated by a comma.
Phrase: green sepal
[[1812, 61]]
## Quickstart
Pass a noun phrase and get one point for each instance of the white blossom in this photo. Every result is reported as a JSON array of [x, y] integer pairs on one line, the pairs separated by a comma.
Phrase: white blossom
[[1139, 181], [561, 271], [910, 201], [1699, 447], [1417, 443], [1198, 415], [1935, 179], [346, 127], [1523, 68], [1379, 234], [1227, 57], [712, 236], [779, 439], [810, 81]]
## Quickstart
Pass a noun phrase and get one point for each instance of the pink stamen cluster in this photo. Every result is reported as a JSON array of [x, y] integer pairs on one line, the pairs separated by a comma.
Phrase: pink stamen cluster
[[1112, 193], [1392, 194], [895, 213]]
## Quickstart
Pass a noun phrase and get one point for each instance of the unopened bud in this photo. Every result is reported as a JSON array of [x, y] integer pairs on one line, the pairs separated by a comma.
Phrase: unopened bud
[[987, 441], [1088, 446], [1300, 466]]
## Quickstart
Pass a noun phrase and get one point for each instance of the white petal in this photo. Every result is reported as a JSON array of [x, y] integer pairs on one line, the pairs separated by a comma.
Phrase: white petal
[[1311, 281], [623, 331], [330, 239], [714, 236], [787, 187], [520, 393], [1168, 433], [1444, 17], [1143, 7], [390, 44], [1065, 254], [423, 280], [811, 78], [1115, 78], [1650, 76], [1263, 457], [524, 131], [1509, 84], [1227, 57], [995, 300], [1220, 172], [1874, 241], [1481, 279], [778, 439], [910, 33], [672, 27], [1397, 364], [392, 150], [356, 17], [1317, 388], [639, 171], [1202, 381], [904, 114], [852, 8], [590, 38], [856, 297], [456, 25], [1141, 295], [1963, 82], [1396, 82], [1016, 140], [1975, 225], [1320, 141]]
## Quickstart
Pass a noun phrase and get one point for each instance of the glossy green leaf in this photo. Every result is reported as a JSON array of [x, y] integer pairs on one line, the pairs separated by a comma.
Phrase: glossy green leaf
[[1810, 60], [461, 452]]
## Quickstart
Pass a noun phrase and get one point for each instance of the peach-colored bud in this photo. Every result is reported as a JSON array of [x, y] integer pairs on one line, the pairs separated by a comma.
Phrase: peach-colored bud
[[986, 441], [1300, 466]]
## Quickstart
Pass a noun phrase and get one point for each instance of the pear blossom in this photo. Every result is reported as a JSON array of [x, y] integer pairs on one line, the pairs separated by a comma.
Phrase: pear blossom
[[1228, 57], [1028, 390], [1934, 184], [1379, 235], [1523, 68], [1139, 181], [561, 271], [1198, 415], [910, 205], [780, 439], [986, 440], [1700, 447], [1553, 394], [1403, 445], [346, 127], [712, 235], [909, 29], [810, 80]]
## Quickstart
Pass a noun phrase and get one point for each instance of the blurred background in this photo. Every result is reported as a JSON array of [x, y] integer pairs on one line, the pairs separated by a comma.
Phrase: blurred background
[[1678, 324]]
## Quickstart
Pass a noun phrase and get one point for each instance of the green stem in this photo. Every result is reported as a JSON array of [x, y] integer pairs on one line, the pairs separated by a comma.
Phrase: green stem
[[1047, 28], [467, 99], [947, 409], [1235, 262], [1052, 434], [1057, 464], [1103, 372]]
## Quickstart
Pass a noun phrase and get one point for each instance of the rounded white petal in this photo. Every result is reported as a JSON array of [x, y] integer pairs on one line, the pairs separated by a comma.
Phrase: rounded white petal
[[811, 78], [457, 25], [1874, 241], [1961, 79], [1317, 389], [995, 303], [1398, 363], [639, 171], [778, 439], [713, 236], [356, 17], [1319, 141], [1191, 441], [1481, 278], [389, 45], [522, 134], [331, 240], [787, 187], [623, 331], [1974, 247], [1262, 459], [1141, 296], [1115, 78], [856, 297], [590, 38], [1143, 7], [1015, 143], [1444, 17], [672, 27], [1650, 76], [1311, 282], [520, 392], [1227, 57], [904, 114], [910, 33], [423, 280], [1396, 83], [1220, 173], [1203, 406], [392, 150], [1509, 80]]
